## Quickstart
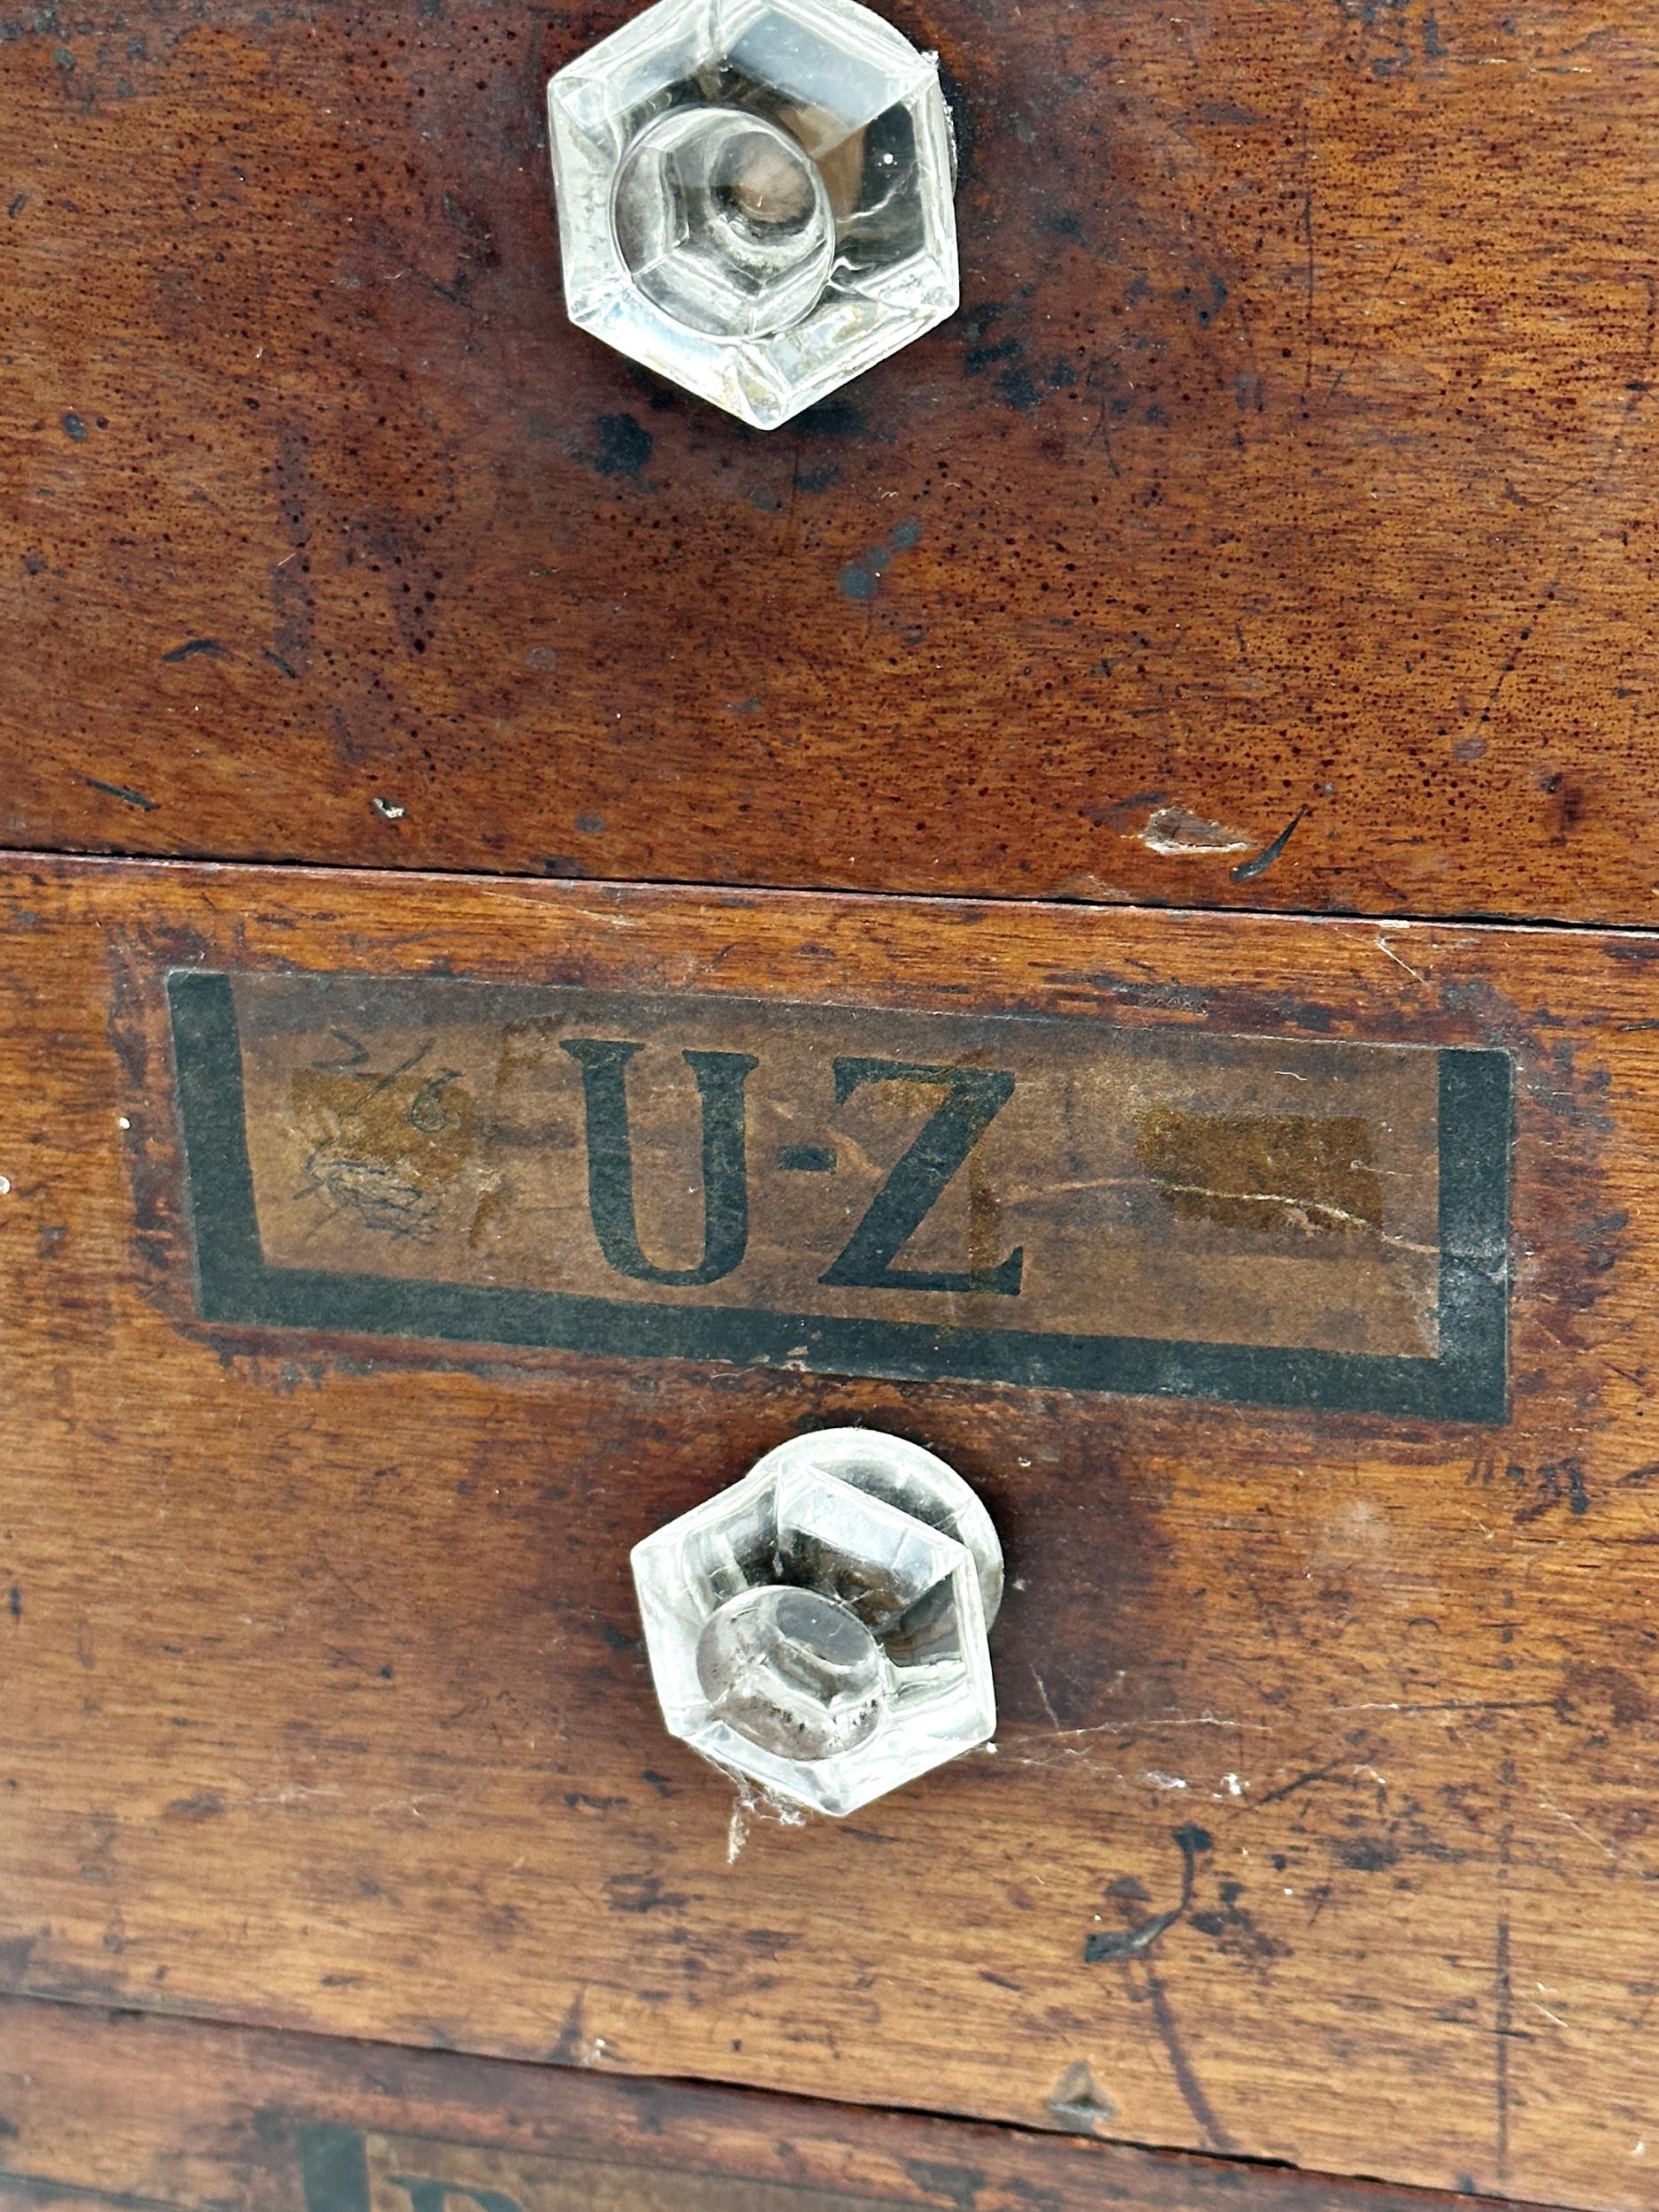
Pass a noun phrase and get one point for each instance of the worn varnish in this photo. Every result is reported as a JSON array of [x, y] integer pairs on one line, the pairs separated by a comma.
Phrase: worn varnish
[[129, 2111], [1273, 527], [1319, 1827]]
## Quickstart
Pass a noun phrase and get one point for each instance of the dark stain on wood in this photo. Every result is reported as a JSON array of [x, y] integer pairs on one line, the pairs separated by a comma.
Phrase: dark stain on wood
[[1288, 1176], [1131, 1942]]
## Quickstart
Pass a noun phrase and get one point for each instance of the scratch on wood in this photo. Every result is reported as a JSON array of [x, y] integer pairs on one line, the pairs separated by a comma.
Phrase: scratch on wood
[[1300, 1782], [1047, 1707], [1637, 388], [1600, 1842], [1451, 1705], [123, 792], [1248, 871], [1388, 953], [1478, 727]]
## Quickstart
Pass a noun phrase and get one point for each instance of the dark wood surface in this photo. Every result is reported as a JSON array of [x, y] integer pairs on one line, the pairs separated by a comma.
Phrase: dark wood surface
[[134, 2112], [1273, 527], [1319, 1825]]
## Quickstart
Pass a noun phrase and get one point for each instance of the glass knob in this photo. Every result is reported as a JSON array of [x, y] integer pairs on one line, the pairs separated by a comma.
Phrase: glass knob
[[821, 1626], [755, 196]]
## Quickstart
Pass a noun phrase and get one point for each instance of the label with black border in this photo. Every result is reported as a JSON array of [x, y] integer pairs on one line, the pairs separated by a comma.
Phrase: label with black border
[[1056, 1202]]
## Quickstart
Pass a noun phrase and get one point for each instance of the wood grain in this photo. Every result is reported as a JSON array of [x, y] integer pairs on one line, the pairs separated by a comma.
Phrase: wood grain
[[134, 2111], [1320, 1824], [1273, 527]]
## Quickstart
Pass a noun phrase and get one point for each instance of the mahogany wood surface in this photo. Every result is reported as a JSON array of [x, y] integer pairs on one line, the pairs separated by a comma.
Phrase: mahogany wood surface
[[1319, 1827], [1273, 527], [134, 2112]]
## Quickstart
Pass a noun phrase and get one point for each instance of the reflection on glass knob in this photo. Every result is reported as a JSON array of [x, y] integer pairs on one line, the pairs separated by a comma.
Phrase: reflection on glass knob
[[821, 1626], [755, 196]]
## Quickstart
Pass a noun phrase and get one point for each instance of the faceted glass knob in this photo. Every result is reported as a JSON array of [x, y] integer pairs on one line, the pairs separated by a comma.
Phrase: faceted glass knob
[[821, 1626], [755, 196]]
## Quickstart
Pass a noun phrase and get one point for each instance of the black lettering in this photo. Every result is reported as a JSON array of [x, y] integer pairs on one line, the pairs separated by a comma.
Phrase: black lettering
[[720, 1078], [973, 1098]]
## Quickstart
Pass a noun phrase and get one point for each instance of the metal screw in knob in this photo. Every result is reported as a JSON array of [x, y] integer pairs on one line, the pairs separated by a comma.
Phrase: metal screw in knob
[[821, 1626]]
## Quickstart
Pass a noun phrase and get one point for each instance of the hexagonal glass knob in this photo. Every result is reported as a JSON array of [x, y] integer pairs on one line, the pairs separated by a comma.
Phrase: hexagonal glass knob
[[821, 1626], [755, 196]]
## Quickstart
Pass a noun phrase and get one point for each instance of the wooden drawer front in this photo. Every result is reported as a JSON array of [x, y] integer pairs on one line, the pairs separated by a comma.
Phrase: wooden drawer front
[[125, 2112], [1271, 526], [1327, 1741]]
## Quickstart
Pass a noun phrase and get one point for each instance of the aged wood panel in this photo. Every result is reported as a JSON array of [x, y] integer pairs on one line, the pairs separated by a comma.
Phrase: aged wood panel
[[129, 2111], [1319, 1827], [1274, 525]]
